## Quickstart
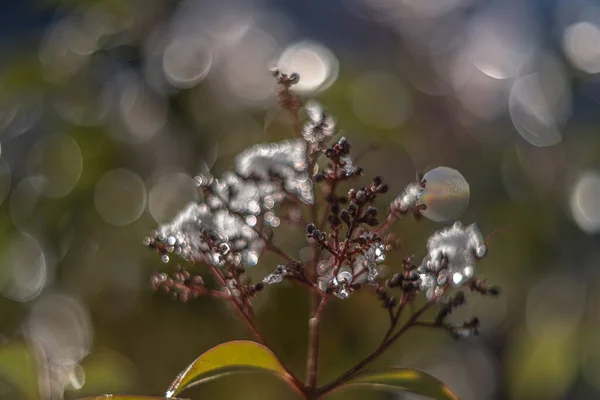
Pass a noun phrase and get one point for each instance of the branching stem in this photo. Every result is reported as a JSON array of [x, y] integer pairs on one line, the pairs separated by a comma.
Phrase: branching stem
[[385, 344]]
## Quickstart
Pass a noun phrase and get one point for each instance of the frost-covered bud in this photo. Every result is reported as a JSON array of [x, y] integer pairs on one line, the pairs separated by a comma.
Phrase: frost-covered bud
[[285, 160], [320, 125], [277, 276], [409, 200]]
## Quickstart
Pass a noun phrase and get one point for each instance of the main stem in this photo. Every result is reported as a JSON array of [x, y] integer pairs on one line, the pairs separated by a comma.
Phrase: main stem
[[312, 360]]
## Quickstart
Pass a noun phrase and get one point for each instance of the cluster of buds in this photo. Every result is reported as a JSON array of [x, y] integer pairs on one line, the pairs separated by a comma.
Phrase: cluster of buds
[[181, 285]]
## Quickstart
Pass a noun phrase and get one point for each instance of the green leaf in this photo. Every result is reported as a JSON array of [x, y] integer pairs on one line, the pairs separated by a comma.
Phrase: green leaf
[[406, 379], [18, 368], [234, 356]]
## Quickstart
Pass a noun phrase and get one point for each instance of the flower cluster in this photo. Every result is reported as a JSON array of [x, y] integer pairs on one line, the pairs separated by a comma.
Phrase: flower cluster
[[231, 227], [221, 229]]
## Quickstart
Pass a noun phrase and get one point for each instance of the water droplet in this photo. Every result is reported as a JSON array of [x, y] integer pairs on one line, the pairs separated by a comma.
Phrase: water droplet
[[345, 276], [469, 271], [442, 278], [457, 278], [165, 258], [252, 258], [446, 194]]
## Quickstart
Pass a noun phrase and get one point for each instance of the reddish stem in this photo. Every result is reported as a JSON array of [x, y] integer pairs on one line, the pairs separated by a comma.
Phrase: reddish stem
[[239, 308]]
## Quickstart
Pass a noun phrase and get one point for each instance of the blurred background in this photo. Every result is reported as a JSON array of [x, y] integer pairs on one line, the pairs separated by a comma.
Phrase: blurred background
[[109, 108]]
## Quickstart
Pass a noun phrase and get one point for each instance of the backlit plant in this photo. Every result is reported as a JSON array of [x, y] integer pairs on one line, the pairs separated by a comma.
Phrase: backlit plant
[[237, 222]]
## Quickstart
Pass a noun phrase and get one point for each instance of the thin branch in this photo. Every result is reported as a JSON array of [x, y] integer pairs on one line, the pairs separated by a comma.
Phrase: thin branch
[[375, 354], [312, 359], [239, 308], [386, 225], [276, 250]]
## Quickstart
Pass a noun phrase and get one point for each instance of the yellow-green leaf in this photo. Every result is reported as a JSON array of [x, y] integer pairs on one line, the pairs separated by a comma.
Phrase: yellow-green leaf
[[18, 368], [406, 379], [238, 355]]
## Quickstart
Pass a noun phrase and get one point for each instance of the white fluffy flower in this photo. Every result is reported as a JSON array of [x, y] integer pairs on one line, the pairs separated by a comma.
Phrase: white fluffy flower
[[286, 160], [186, 235], [409, 200], [451, 257], [320, 125]]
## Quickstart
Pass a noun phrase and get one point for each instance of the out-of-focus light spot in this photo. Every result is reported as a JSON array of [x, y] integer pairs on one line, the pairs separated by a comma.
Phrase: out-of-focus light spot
[[187, 61], [5, 180], [380, 99], [541, 367], [108, 371], [501, 41], [62, 327], [85, 101], [590, 358], [58, 59], [585, 203], [469, 370], [316, 64], [57, 161], [120, 197], [306, 254], [539, 104], [143, 114], [244, 77], [75, 378], [169, 194], [446, 194], [22, 269], [555, 304], [226, 22], [581, 42], [19, 112], [23, 202]]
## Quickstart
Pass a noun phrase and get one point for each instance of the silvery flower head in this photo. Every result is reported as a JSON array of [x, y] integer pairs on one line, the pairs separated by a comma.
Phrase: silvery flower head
[[231, 239], [409, 200], [284, 160], [370, 260], [244, 196], [320, 125], [451, 258]]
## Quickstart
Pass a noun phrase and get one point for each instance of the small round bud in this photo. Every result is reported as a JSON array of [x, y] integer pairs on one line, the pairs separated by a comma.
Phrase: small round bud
[[352, 209], [494, 290], [361, 196], [259, 286]]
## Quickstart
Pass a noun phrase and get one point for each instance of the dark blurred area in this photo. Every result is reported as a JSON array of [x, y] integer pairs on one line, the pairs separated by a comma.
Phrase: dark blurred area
[[109, 108]]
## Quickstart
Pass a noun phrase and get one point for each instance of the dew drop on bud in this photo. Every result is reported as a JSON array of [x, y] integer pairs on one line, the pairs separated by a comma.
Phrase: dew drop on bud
[[457, 278], [468, 271], [345, 276], [480, 251], [442, 278], [446, 194]]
